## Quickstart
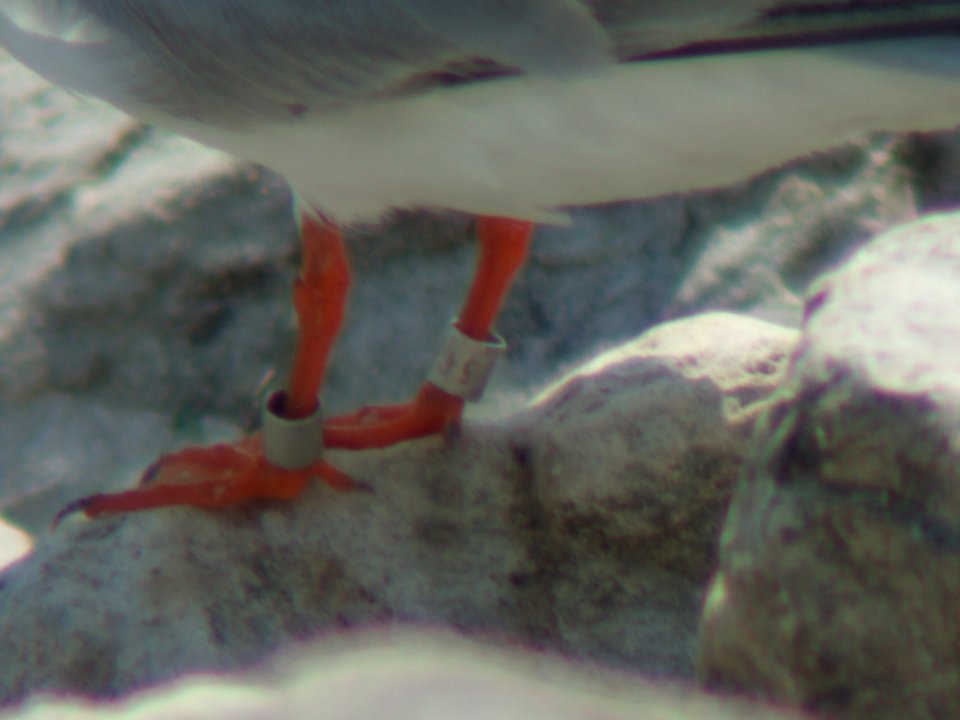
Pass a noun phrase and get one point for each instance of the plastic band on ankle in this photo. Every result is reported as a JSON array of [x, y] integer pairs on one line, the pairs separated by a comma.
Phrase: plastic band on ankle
[[290, 444], [464, 365]]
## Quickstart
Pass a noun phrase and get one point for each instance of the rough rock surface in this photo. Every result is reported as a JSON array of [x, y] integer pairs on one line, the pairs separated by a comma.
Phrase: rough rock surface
[[14, 544], [413, 677], [584, 524], [839, 578]]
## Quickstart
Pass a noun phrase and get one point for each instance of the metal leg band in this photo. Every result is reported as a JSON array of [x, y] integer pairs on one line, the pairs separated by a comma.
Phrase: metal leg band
[[290, 444], [464, 365]]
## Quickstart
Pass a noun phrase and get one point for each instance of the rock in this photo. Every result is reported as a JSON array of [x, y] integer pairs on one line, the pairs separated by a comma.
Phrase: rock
[[14, 544], [839, 576], [422, 676], [584, 524], [671, 414]]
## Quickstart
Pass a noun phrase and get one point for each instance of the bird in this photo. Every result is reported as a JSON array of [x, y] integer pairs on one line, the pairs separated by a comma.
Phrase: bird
[[508, 110]]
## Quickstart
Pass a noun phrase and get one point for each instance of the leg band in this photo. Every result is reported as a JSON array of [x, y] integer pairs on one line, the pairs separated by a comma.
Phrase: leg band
[[287, 443], [464, 365]]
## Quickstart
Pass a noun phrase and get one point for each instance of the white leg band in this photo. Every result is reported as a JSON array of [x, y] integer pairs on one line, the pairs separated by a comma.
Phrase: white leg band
[[290, 444], [464, 365]]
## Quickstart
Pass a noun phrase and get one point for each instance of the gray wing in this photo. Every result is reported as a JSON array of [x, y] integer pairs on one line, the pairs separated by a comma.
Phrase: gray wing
[[226, 60], [236, 61]]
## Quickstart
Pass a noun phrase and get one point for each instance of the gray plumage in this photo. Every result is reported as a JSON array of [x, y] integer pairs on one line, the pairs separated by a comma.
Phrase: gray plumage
[[508, 107], [233, 61]]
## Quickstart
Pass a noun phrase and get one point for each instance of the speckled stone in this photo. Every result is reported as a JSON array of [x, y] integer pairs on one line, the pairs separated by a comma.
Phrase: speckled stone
[[839, 576], [585, 524]]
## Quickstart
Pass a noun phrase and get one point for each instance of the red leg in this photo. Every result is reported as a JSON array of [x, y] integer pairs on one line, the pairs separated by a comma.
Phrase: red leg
[[503, 249], [320, 298], [229, 474]]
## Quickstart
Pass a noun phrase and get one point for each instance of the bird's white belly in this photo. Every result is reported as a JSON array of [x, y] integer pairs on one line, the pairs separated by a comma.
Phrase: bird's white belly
[[524, 146]]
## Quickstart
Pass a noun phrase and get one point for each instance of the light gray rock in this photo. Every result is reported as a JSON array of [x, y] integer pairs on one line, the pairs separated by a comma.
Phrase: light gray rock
[[14, 544], [408, 676], [671, 415], [584, 524], [839, 576]]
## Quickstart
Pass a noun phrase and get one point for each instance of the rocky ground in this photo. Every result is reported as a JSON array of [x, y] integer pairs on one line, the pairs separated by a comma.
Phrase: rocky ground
[[569, 535]]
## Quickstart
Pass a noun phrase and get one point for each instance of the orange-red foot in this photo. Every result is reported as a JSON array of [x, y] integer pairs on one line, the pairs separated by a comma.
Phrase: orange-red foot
[[431, 412], [211, 477]]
